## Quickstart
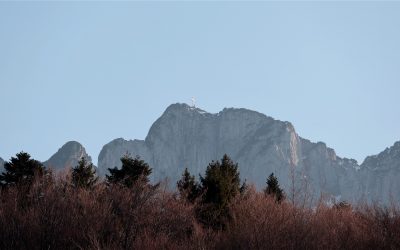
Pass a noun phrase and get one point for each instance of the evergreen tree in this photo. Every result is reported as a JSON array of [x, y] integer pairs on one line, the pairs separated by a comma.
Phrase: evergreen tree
[[273, 188], [243, 189], [188, 187], [21, 170], [133, 171], [84, 174], [220, 184]]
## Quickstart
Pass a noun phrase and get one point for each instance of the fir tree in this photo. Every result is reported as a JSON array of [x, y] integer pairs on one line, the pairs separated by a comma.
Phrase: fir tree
[[221, 181], [84, 174], [133, 171], [188, 187], [243, 189], [220, 184], [21, 170], [273, 188]]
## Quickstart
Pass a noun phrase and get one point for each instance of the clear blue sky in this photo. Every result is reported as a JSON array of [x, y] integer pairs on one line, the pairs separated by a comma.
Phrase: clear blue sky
[[93, 72]]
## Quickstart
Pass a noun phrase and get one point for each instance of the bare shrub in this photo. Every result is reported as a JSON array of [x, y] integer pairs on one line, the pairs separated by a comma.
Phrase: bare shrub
[[259, 223], [53, 214]]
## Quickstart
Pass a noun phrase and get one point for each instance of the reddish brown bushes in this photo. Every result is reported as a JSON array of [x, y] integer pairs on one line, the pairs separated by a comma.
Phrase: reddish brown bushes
[[259, 223], [58, 216], [54, 215]]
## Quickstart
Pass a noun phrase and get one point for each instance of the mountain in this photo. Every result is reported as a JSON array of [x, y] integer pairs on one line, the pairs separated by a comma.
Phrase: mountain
[[1, 165], [186, 136], [67, 156], [380, 174]]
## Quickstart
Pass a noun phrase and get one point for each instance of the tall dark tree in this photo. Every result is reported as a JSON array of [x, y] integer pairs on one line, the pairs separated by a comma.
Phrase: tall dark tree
[[133, 171], [84, 174], [220, 184], [244, 188], [273, 188], [21, 169], [188, 187], [221, 181]]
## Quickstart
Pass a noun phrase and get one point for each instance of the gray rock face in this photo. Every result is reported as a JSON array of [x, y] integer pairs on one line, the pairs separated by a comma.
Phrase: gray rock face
[[1, 165], [190, 137], [112, 152], [380, 176], [67, 156]]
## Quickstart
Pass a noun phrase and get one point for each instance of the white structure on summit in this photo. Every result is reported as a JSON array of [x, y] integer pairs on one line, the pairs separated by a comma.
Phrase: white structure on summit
[[193, 102]]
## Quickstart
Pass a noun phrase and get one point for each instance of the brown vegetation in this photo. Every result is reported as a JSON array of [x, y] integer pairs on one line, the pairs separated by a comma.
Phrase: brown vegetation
[[56, 215]]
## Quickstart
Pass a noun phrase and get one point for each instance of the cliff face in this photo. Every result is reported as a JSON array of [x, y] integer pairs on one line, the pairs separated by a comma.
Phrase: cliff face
[[112, 152], [190, 137], [67, 156], [380, 175], [1, 165]]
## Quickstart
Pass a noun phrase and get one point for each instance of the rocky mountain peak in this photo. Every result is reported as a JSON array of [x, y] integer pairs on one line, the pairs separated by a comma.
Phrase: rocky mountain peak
[[380, 174], [386, 159], [189, 137], [67, 156], [183, 110], [186, 136]]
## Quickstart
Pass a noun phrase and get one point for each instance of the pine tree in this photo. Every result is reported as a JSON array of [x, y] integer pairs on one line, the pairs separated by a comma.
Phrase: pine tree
[[273, 188], [21, 170], [221, 181], [243, 189], [188, 187], [84, 174], [220, 184], [133, 171]]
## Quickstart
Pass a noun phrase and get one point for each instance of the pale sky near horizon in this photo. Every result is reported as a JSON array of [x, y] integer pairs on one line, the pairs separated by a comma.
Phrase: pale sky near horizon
[[96, 71]]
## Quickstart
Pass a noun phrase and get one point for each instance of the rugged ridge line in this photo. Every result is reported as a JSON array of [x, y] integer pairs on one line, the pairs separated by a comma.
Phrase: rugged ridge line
[[380, 175], [189, 137]]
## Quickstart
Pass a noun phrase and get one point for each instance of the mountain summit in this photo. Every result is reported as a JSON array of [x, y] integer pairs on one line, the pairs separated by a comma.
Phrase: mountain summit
[[67, 156], [380, 175], [186, 136]]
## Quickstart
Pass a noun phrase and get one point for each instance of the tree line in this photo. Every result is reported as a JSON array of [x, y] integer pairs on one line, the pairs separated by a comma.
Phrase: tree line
[[78, 210], [214, 192]]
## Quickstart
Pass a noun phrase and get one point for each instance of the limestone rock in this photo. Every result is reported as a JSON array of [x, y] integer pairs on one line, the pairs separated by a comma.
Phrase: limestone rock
[[67, 156], [380, 176], [1, 165], [189, 137]]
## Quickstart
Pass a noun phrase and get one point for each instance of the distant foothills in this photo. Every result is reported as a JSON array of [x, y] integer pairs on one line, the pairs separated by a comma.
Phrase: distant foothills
[[189, 137]]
